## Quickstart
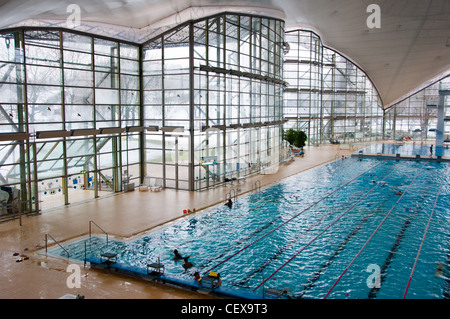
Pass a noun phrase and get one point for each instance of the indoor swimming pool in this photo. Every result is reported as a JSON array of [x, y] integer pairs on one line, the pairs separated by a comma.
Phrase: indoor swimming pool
[[353, 228]]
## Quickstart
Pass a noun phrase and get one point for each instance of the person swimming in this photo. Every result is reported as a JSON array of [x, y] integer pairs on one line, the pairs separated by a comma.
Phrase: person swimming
[[229, 203], [187, 264], [177, 255], [440, 272]]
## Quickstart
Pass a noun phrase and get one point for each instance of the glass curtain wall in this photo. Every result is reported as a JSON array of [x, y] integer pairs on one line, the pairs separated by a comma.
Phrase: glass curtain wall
[[214, 87], [64, 89], [416, 116], [328, 97], [201, 104], [166, 100]]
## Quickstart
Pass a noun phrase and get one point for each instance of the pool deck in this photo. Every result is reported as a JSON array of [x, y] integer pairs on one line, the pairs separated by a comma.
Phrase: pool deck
[[122, 215]]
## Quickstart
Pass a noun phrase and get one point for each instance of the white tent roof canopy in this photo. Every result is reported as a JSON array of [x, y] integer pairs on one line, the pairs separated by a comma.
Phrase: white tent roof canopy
[[408, 51]]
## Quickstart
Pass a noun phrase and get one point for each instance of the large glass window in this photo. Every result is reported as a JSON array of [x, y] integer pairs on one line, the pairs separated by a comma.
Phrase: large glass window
[[328, 96], [237, 80], [56, 81], [416, 116], [197, 106]]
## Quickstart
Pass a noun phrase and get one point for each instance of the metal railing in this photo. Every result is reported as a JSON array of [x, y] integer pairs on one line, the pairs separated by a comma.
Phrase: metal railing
[[231, 195], [46, 244], [90, 230], [256, 186]]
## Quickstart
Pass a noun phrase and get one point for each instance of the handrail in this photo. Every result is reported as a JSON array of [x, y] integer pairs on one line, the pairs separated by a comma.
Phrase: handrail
[[90, 230], [46, 241], [256, 186], [229, 193]]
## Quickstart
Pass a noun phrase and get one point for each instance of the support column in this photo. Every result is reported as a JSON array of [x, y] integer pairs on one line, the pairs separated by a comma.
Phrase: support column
[[440, 122], [191, 110]]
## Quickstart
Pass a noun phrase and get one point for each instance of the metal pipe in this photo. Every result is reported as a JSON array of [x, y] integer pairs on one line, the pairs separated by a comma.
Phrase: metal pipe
[[90, 230], [46, 244]]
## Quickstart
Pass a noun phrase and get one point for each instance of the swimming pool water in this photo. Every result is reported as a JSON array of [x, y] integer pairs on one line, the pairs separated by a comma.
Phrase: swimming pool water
[[315, 234]]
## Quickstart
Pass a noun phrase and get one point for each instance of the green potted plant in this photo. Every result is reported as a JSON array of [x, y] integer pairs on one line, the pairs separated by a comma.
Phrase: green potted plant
[[295, 137]]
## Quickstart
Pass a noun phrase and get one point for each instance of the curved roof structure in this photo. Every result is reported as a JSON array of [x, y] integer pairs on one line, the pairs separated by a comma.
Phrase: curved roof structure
[[410, 49]]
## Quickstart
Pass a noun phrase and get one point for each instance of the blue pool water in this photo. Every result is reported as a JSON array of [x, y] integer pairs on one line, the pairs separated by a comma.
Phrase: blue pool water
[[317, 234]]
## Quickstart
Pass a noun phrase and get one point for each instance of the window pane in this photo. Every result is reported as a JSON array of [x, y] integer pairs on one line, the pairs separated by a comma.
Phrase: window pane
[[106, 96], [73, 95], [129, 51], [77, 60], [43, 56], [43, 94], [77, 42], [11, 93], [43, 75]]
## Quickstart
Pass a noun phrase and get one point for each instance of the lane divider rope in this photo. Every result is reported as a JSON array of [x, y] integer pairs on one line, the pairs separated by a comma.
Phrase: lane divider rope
[[313, 204], [326, 228], [423, 238], [371, 236]]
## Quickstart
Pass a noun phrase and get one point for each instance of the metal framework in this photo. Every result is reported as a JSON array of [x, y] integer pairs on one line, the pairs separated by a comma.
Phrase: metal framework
[[102, 114], [197, 106], [417, 116], [220, 82], [328, 96], [66, 90]]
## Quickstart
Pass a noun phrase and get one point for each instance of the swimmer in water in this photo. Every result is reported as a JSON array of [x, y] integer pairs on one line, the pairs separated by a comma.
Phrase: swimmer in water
[[177, 255], [187, 264], [439, 273]]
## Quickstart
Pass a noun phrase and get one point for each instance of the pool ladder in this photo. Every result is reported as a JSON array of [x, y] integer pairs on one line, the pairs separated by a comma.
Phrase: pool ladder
[[46, 244], [256, 186], [90, 235], [232, 194], [90, 230]]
